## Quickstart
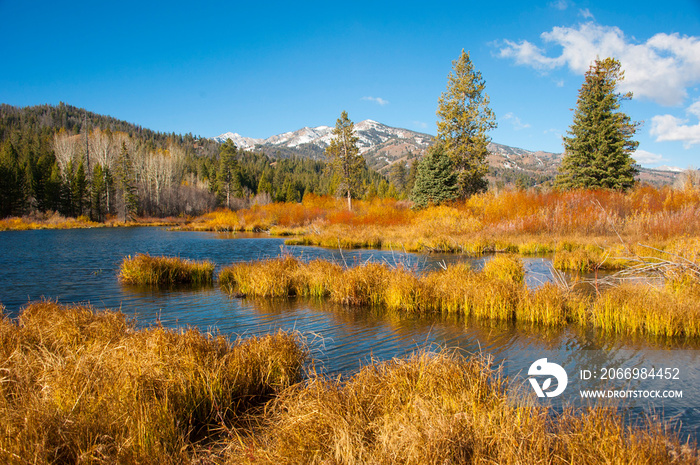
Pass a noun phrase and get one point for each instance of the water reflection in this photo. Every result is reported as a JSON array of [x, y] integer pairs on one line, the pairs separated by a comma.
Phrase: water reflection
[[81, 266]]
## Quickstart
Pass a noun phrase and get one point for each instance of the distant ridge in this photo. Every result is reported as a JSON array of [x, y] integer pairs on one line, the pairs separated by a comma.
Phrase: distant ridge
[[383, 146]]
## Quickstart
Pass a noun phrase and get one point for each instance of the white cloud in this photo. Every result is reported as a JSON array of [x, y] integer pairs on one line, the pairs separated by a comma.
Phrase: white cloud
[[647, 158], [377, 100], [560, 5], [660, 69], [517, 124], [586, 13], [670, 128]]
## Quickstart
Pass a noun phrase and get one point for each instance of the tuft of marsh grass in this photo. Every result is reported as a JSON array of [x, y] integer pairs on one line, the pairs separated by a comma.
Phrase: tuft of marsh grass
[[498, 292], [145, 269], [442, 408], [643, 309], [85, 387], [266, 278]]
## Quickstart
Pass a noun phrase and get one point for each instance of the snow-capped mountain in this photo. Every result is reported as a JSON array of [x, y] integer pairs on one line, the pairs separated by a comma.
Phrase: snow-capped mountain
[[371, 135], [383, 146], [245, 143]]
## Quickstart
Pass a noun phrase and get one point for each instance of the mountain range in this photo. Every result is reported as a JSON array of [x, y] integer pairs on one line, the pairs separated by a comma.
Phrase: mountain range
[[383, 146]]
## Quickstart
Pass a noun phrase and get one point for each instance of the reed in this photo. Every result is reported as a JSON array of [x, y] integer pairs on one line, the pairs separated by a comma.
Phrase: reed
[[145, 269], [266, 278], [643, 309], [438, 408], [85, 387], [498, 292]]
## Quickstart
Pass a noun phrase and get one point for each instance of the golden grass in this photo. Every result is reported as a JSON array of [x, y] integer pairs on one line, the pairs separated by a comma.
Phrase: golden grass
[[85, 387], [498, 292], [54, 220], [442, 408], [145, 269], [671, 311], [524, 222]]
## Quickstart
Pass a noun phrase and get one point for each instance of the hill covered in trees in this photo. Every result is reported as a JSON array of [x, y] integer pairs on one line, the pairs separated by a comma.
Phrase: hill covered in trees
[[79, 163]]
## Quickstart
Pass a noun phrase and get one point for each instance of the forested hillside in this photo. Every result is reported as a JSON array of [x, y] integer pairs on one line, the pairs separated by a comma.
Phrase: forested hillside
[[78, 163]]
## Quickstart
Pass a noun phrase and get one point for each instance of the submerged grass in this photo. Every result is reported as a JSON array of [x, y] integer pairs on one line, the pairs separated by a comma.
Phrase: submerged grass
[[498, 292], [83, 387], [145, 269], [442, 408]]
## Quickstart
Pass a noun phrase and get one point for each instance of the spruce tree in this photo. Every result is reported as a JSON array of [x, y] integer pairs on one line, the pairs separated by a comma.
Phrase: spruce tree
[[127, 184], [464, 119], [344, 157], [228, 175], [436, 180], [599, 146]]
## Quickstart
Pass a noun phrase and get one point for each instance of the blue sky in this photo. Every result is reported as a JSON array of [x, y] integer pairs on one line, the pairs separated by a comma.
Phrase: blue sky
[[263, 69]]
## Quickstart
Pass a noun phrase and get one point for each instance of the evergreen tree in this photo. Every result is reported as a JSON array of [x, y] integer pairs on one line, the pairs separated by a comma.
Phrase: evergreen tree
[[127, 184], [97, 194], [79, 190], [436, 180], [464, 119], [598, 150], [54, 189], [265, 183], [12, 182], [228, 175], [344, 157]]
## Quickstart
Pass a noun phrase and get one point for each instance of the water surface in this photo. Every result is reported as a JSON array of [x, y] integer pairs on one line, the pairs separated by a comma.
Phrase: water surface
[[80, 266]]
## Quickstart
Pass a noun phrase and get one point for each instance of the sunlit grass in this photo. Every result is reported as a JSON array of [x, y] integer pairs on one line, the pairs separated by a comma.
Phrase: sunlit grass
[[498, 292], [591, 223], [438, 408], [85, 387], [145, 269]]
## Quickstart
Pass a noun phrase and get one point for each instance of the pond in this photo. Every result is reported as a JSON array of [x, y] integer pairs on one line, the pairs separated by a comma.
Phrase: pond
[[80, 266]]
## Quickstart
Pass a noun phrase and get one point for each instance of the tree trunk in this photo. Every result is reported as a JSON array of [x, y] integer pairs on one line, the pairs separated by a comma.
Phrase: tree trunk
[[349, 201]]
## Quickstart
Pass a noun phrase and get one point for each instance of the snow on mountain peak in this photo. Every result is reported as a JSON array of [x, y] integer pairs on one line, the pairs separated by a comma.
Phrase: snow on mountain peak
[[371, 134]]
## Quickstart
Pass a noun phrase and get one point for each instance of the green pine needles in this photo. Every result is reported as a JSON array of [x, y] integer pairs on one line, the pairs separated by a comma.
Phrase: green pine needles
[[436, 179], [599, 146], [464, 121], [344, 158]]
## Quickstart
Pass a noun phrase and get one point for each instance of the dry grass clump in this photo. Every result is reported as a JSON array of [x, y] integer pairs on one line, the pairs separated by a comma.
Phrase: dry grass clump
[[145, 269], [498, 292], [266, 278], [672, 311], [84, 387], [441, 408], [553, 305], [50, 220]]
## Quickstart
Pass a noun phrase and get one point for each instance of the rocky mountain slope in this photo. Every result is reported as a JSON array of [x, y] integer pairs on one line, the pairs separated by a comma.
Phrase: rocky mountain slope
[[383, 146]]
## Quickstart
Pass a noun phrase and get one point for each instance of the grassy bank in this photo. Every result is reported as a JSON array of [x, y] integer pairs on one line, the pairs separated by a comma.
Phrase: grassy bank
[[442, 409], [57, 221], [498, 292], [84, 387], [582, 228], [163, 271]]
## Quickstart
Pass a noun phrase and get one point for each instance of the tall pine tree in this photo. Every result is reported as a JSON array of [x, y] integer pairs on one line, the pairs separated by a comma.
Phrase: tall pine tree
[[344, 157], [228, 174], [127, 184], [464, 119], [599, 146]]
